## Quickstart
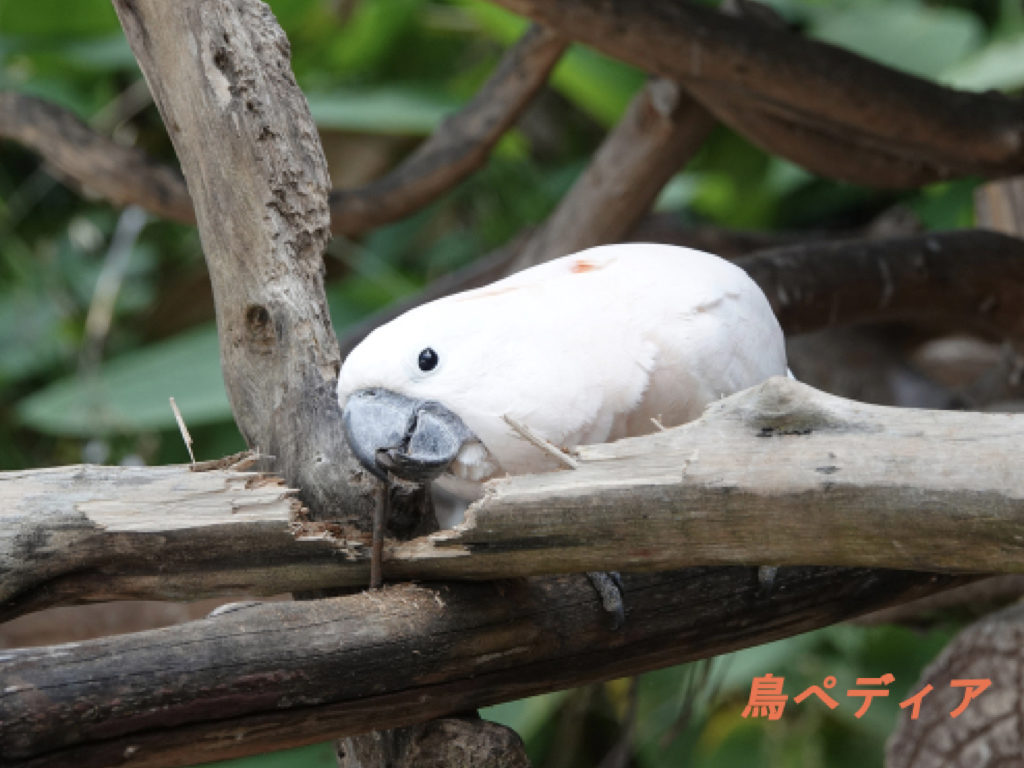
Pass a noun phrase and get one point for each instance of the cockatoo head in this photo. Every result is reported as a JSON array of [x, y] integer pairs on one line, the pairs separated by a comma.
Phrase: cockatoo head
[[395, 388]]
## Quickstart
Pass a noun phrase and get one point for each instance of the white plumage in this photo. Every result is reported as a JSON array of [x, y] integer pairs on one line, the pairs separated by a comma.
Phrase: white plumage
[[583, 349]]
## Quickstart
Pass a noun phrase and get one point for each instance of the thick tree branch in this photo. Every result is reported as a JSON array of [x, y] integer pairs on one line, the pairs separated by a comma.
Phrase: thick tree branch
[[806, 96], [459, 146], [86, 533], [283, 674], [252, 158], [779, 473], [122, 175], [969, 279]]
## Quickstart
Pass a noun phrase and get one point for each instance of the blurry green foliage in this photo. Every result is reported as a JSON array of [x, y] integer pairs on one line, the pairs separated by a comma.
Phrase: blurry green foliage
[[394, 69]]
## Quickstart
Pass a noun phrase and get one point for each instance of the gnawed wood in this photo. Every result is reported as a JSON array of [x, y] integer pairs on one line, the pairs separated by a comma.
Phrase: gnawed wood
[[284, 674], [779, 473], [88, 533]]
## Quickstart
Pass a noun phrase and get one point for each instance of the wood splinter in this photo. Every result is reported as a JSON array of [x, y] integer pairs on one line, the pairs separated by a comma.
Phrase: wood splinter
[[545, 445]]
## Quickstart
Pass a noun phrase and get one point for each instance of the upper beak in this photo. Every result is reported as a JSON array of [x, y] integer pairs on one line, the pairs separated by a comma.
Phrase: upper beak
[[415, 440]]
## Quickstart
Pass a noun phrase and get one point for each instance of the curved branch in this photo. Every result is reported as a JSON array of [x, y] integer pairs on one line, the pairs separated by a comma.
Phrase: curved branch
[[970, 279], [127, 176], [459, 146], [832, 151], [122, 175], [778, 78]]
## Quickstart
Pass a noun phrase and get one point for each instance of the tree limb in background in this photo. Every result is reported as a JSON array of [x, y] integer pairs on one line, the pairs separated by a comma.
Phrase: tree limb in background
[[284, 674], [780, 81], [86, 159], [986, 732], [125, 175], [661, 130], [459, 146], [967, 279]]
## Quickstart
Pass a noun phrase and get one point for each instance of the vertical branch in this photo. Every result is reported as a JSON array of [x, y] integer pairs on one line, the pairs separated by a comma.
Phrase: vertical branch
[[220, 75]]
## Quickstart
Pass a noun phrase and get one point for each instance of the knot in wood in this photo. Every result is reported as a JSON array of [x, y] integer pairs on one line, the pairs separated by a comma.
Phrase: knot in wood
[[259, 328]]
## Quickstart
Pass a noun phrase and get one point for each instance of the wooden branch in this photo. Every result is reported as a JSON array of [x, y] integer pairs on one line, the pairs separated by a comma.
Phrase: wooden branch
[[989, 732], [84, 158], [799, 97], [284, 674], [779, 474], [662, 129], [830, 151], [252, 158], [969, 279], [87, 533], [459, 146], [999, 205]]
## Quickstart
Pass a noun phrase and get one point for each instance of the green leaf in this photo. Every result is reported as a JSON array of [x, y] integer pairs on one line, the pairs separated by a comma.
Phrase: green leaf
[[600, 86], [526, 716], [999, 65], [129, 393], [916, 38], [58, 19], [381, 109]]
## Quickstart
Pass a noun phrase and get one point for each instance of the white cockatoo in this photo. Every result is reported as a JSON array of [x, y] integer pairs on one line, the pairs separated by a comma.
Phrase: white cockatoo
[[599, 345]]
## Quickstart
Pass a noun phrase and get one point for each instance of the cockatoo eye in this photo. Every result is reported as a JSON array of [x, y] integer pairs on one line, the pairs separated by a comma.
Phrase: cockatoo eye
[[428, 360]]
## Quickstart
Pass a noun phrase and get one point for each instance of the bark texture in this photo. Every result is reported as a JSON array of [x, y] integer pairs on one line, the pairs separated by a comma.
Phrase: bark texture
[[221, 78], [284, 674], [990, 731]]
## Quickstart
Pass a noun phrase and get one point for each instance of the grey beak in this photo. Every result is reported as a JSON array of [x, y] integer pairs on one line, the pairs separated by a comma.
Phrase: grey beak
[[415, 440]]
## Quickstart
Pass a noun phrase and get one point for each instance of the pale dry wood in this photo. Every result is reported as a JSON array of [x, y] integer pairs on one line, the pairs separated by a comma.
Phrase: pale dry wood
[[221, 78], [822, 106], [780, 474], [990, 731], [284, 674], [449, 742], [71, 534], [999, 205], [837, 483]]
